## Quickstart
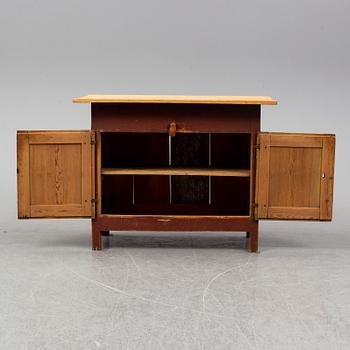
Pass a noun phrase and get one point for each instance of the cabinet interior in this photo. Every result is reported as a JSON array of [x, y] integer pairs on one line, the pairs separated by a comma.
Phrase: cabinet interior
[[189, 174]]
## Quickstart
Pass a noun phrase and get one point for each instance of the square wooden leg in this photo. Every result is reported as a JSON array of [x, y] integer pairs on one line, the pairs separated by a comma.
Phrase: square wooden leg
[[253, 239], [96, 237]]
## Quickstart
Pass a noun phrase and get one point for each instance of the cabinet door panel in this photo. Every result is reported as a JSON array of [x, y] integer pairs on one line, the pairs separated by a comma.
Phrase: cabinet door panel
[[55, 173], [295, 176]]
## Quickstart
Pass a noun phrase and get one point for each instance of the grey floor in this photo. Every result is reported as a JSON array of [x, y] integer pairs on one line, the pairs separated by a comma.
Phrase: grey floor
[[174, 290]]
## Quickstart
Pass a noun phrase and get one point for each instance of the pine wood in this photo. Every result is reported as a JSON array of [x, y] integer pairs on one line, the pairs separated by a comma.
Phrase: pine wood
[[55, 177], [176, 171], [260, 100], [328, 158], [295, 176], [93, 142]]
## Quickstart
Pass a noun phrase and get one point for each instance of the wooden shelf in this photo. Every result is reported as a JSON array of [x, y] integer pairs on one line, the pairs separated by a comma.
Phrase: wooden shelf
[[177, 171]]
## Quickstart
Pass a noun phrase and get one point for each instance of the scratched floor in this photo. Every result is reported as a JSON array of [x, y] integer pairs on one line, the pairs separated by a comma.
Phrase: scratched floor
[[174, 291]]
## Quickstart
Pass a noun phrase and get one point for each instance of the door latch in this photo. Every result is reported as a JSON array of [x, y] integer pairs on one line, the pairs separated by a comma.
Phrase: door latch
[[172, 129]]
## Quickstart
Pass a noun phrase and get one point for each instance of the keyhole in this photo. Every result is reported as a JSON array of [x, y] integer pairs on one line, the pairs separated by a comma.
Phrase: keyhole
[[323, 175]]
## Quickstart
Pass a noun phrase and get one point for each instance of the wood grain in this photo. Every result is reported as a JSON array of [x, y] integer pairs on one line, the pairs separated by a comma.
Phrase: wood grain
[[261, 100], [54, 174], [292, 213], [295, 176], [296, 140], [93, 174], [327, 182], [52, 170], [23, 179], [263, 166]]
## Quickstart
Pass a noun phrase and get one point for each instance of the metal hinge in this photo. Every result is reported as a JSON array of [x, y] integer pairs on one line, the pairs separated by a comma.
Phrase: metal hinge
[[256, 147], [254, 211], [93, 139]]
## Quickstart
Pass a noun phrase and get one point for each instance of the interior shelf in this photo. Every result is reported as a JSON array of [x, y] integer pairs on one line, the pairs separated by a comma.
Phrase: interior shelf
[[177, 171]]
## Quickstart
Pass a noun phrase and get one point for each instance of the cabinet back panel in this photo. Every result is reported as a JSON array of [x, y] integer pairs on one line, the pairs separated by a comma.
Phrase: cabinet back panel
[[189, 189], [230, 150], [117, 193], [151, 189], [231, 192], [190, 150], [150, 195], [134, 149]]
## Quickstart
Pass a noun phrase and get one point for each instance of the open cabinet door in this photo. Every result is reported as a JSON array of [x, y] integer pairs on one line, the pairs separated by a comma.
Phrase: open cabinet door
[[55, 174], [294, 176]]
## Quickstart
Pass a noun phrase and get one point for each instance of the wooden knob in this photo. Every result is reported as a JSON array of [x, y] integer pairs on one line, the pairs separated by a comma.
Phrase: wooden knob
[[172, 129]]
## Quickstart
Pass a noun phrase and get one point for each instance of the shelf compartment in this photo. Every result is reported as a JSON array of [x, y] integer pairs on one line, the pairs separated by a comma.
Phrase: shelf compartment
[[177, 171], [230, 150], [153, 195], [189, 174], [129, 149]]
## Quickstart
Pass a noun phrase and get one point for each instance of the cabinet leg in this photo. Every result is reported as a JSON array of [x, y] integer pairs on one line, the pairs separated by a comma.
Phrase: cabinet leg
[[105, 233], [96, 237], [253, 240]]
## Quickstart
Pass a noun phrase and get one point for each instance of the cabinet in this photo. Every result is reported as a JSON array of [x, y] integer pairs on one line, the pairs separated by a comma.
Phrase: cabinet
[[175, 163]]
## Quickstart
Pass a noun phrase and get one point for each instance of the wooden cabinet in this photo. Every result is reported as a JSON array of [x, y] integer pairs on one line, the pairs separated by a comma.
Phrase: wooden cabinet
[[175, 163]]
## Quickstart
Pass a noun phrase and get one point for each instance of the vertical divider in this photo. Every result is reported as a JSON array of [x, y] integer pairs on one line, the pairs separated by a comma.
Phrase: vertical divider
[[209, 185], [170, 199], [100, 149], [133, 189]]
